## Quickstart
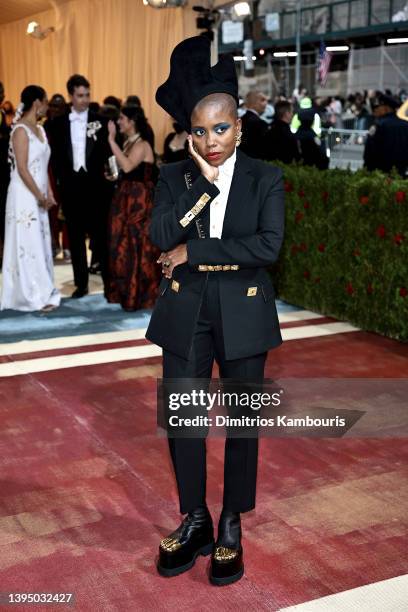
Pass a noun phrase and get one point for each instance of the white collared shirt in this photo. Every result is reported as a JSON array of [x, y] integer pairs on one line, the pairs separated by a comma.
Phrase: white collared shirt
[[219, 205], [79, 122]]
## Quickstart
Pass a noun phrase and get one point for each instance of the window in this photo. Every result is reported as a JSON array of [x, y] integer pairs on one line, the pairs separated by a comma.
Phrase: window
[[340, 17], [289, 25], [398, 5], [380, 11], [321, 19], [359, 15], [307, 22]]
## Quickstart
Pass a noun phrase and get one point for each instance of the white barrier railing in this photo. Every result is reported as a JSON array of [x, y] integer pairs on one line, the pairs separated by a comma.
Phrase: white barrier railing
[[344, 147]]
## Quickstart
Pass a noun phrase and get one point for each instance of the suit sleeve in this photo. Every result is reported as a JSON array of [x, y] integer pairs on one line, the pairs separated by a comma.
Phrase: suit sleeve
[[260, 249], [172, 218]]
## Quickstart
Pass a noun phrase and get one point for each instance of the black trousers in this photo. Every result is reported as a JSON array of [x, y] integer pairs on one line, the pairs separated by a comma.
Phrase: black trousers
[[85, 209], [189, 454]]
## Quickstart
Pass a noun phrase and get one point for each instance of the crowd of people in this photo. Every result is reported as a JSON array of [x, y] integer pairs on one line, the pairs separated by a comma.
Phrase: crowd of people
[[60, 177], [73, 170], [290, 129]]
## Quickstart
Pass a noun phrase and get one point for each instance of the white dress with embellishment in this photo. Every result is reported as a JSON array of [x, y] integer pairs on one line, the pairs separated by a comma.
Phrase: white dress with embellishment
[[28, 274]]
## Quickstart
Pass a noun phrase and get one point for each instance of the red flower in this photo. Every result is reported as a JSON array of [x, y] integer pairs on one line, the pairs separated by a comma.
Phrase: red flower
[[322, 247], [302, 247], [317, 279], [288, 186], [370, 289], [364, 199], [400, 196], [299, 216], [356, 252], [306, 205], [293, 249], [403, 292], [306, 274], [349, 288], [325, 196], [301, 193], [398, 238], [381, 231]]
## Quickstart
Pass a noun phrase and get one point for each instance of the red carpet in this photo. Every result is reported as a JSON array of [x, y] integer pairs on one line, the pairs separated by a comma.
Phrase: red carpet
[[87, 491]]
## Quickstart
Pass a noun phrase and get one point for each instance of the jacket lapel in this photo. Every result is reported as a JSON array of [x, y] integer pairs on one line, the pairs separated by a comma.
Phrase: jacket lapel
[[241, 183], [90, 142], [191, 172], [202, 223]]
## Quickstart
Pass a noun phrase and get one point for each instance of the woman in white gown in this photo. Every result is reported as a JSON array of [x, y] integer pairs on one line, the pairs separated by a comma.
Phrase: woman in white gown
[[28, 275]]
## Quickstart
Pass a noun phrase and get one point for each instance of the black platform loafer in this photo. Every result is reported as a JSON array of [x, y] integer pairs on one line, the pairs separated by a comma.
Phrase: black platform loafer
[[193, 537], [227, 564]]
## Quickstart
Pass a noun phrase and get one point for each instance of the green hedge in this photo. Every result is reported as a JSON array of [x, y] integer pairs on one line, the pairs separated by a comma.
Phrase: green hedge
[[345, 252]]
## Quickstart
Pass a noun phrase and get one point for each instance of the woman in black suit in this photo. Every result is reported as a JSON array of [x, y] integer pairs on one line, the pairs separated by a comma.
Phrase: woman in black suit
[[218, 220]]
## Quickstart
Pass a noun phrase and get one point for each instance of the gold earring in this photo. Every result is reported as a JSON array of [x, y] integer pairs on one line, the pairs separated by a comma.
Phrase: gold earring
[[238, 138]]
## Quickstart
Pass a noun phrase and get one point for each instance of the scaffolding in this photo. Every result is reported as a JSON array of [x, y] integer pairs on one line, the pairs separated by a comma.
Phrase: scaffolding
[[384, 67]]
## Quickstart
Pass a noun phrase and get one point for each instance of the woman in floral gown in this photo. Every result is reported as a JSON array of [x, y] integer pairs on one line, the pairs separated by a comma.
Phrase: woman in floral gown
[[28, 277], [133, 272]]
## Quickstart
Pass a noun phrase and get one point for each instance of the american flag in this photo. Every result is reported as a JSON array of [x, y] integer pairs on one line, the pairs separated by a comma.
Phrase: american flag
[[323, 65]]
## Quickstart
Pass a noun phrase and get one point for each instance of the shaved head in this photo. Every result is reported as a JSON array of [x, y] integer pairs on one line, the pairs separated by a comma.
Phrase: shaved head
[[224, 101], [215, 127]]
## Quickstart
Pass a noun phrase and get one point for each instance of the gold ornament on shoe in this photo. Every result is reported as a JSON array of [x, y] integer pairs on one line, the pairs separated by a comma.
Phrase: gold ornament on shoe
[[170, 544], [224, 554]]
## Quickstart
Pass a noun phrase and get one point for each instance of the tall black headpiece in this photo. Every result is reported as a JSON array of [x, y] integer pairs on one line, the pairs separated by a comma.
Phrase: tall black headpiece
[[192, 78]]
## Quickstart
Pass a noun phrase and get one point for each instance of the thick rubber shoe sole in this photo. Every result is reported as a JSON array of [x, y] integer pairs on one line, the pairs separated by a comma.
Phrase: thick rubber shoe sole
[[175, 571], [228, 579]]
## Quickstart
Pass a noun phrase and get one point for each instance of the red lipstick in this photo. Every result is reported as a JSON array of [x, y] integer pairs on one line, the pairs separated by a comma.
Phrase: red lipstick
[[214, 155]]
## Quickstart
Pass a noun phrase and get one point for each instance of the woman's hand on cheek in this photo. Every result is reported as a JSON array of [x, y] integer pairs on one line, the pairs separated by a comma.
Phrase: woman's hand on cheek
[[210, 172]]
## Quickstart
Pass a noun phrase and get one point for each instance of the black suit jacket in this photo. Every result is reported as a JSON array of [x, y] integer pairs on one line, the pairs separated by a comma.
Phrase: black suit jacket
[[251, 239], [254, 130], [281, 144], [311, 149], [97, 153], [387, 145]]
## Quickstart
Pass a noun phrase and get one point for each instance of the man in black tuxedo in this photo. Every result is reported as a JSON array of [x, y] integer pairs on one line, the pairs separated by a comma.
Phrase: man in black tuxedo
[[280, 143], [79, 151], [254, 128]]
